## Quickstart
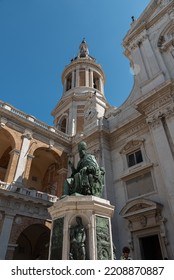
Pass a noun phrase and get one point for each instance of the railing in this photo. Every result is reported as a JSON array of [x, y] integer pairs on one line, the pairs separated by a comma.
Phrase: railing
[[32, 119], [27, 192]]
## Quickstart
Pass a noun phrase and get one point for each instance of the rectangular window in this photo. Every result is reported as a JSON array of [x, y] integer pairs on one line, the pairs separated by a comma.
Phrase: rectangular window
[[134, 158]]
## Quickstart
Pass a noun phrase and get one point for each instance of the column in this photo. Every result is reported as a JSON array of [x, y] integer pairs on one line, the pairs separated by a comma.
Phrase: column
[[91, 78], [73, 79], [23, 157], [5, 235], [101, 85], [86, 77], [77, 76], [72, 119]]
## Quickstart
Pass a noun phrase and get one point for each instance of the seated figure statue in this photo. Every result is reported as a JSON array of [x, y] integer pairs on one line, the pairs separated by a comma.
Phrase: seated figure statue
[[87, 178]]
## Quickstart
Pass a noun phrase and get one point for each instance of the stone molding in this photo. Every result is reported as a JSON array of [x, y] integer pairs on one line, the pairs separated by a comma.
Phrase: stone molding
[[154, 120], [17, 206], [139, 169], [3, 121], [132, 145], [143, 213], [138, 40]]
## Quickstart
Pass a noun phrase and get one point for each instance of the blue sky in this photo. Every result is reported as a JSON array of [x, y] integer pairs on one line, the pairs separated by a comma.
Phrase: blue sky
[[40, 37]]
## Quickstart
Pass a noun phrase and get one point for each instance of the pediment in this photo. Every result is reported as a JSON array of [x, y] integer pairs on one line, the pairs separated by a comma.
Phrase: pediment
[[132, 146], [154, 8], [138, 206], [62, 104]]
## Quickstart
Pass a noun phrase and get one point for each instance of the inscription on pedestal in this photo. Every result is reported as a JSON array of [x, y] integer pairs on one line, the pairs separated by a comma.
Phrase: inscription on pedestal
[[57, 239]]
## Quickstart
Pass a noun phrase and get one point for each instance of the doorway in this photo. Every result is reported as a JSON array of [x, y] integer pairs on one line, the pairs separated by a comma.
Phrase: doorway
[[150, 248]]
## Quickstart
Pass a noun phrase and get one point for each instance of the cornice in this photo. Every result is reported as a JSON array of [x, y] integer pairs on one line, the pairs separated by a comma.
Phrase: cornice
[[80, 94], [143, 23], [141, 169], [162, 13], [24, 205], [68, 98], [155, 99], [22, 120], [125, 127], [72, 66]]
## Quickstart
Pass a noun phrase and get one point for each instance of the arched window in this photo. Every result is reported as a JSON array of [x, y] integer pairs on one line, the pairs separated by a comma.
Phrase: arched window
[[96, 81], [62, 125], [69, 82], [82, 77]]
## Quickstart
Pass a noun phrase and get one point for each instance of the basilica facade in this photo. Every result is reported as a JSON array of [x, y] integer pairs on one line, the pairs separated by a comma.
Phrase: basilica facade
[[134, 143]]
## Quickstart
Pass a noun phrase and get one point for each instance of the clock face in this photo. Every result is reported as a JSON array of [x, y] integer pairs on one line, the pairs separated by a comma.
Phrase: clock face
[[90, 113]]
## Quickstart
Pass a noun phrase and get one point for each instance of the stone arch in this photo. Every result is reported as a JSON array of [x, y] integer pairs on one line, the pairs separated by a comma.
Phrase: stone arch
[[85, 219], [33, 243], [63, 123], [9, 137], [8, 144], [46, 171]]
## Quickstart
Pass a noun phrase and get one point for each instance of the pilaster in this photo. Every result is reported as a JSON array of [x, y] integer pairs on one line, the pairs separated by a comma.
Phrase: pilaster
[[27, 167], [165, 157], [150, 59], [23, 157], [5, 234]]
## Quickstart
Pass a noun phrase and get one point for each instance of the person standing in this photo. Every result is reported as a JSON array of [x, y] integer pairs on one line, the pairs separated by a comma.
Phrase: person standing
[[125, 254]]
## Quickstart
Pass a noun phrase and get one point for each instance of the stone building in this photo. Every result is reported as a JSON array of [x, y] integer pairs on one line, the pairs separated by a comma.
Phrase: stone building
[[134, 143]]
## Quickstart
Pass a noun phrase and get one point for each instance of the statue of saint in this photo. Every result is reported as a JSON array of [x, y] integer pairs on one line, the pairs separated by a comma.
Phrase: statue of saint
[[87, 178], [77, 241]]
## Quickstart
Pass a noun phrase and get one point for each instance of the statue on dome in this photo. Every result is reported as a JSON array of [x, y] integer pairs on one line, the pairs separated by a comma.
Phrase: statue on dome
[[88, 177], [83, 49]]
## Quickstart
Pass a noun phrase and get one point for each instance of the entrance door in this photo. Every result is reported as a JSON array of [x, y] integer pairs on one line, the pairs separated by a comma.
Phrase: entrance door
[[150, 248]]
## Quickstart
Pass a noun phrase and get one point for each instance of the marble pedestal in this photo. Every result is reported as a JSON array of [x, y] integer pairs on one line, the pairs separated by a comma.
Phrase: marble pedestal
[[95, 214]]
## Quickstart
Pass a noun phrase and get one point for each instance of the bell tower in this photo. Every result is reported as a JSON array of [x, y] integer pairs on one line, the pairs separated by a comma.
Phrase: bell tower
[[83, 94]]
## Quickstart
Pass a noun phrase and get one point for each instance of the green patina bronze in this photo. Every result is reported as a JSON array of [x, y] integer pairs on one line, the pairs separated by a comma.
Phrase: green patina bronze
[[57, 239], [103, 238], [87, 178], [78, 241]]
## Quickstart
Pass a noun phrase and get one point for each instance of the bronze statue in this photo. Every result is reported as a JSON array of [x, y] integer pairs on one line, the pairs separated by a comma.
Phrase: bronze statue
[[77, 241], [88, 177]]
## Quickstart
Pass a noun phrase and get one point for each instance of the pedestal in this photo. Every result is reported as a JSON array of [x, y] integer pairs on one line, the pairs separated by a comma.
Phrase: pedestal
[[95, 214]]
